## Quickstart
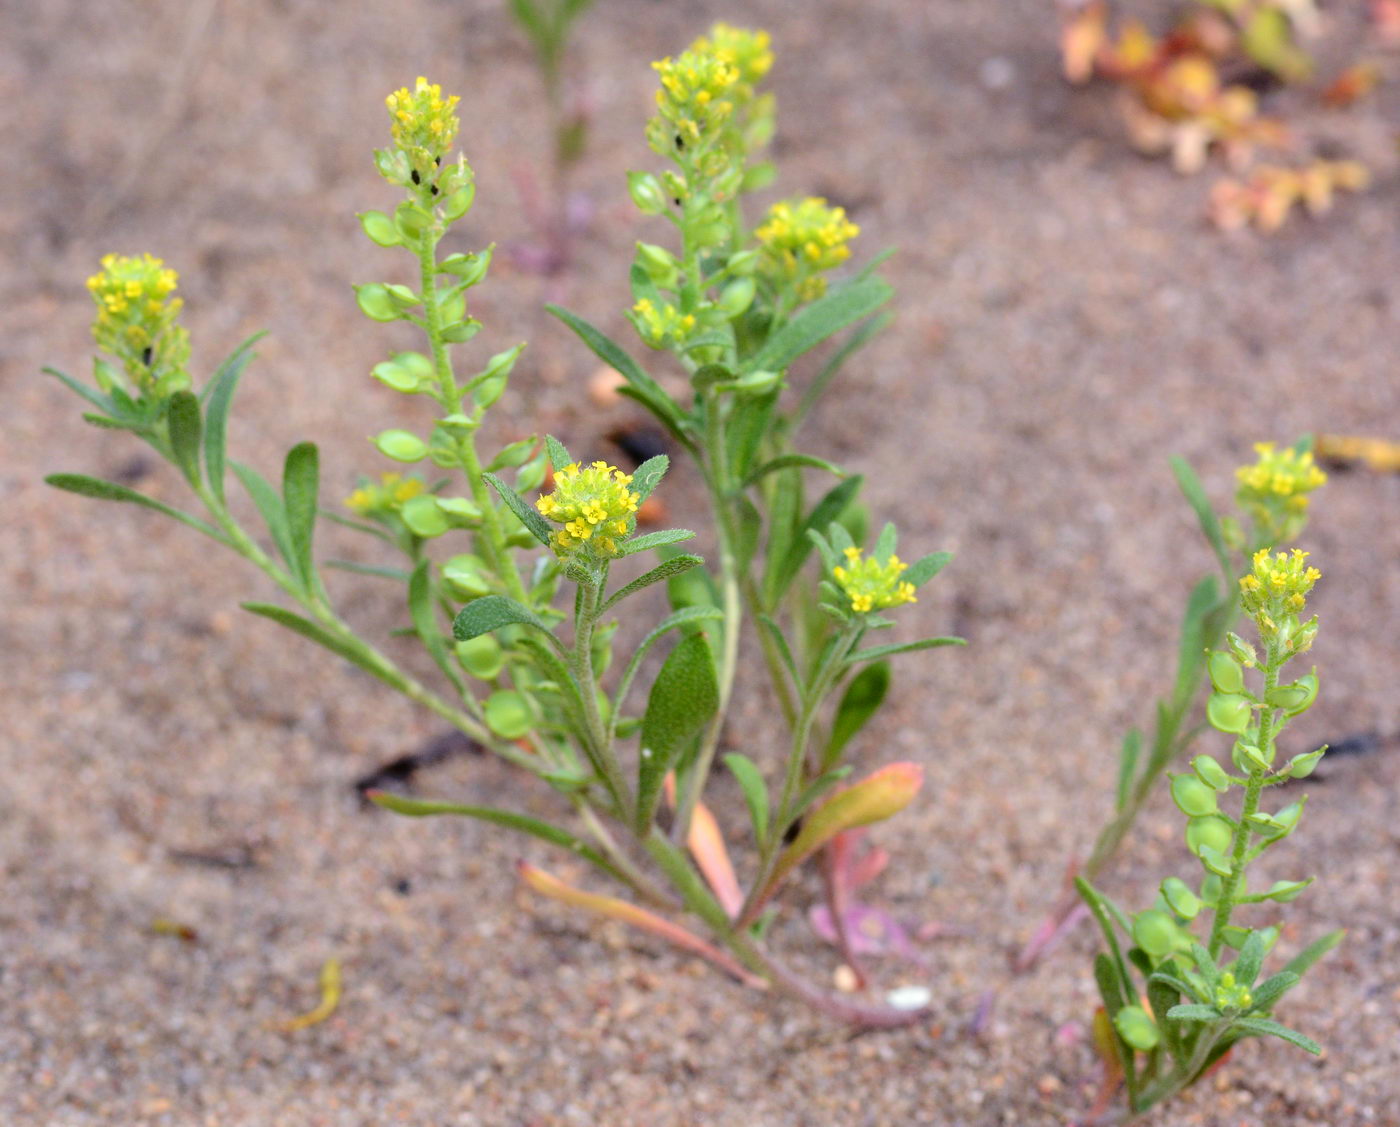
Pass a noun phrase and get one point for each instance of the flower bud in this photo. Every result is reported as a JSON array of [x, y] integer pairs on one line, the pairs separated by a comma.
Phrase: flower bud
[[1193, 797], [401, 445], [1137, 1028], [1211, 773], [1302, 639], [737, 296], [1229, 712], [1243, 652], [1225, 673]]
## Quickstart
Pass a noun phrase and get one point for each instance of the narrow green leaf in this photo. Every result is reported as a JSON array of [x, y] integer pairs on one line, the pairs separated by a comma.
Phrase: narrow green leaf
[[1205, 963], [1181, 986], [780, 643], [220, 392], [186, 433], [101, 490], [1271, 990], [1191, 656], [102, 402], [559, 456], [750, 780], [785, 461], [1263, 1027], [320, 635], [1193, 1012], [1196, 497], [1251, 958], [1103, 912], [926, 567], [1127, 765], [817, 788], [645, 389], [827, 510], [876, 652], [269, 504], [301, 482], [863, 334], [419, 808], [530, 518], [676, 565], [491, 612], [748, 522], [652, 540], [844, 305], [423, 611], [395, 573], [861, 700], [683, 698], [749, 424], [1301, 962], [359, 526], [685, 616], [647, 476]]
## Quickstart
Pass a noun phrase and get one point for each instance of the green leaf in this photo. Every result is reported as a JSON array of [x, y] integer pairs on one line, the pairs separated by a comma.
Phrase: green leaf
[[647, 476], [559, 456], [186, 433], [1193, 1012], [1303, 961], [844, 305], [748, 522], [1205, 963], [395, 573], [654, 540], [1191, 656], [817, 788], [861, 700], [1271, 990], [220, 392], [1162, 996], [641, 386], [269, 504], [424, 615], [926, 567], [102, 402], [1195, 496], [785, 461], [1179, 985], [826, 511], [780, 643], [1103, 912], [1263, 1027], [1251, 959], [1127, 765], [683, 698], [100, 490], [530, 518], [863, 335], [750, 780], [676, 565], [685, 616], [491, 612], [749, 424], [301, 477], [320, 635], [418, 808], [875, 652]]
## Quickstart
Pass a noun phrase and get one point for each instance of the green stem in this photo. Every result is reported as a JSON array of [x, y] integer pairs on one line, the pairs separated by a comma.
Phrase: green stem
[[498, 555], [581, 666], [1244, 830]]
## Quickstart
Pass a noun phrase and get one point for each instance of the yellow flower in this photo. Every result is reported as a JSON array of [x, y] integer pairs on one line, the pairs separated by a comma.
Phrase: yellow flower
[[749, 52], [872, 584], [595, 507], [423, 121], [660, 327], [137, 321], [388, 496], [1276, 587], [802, 239], [1274, 491]]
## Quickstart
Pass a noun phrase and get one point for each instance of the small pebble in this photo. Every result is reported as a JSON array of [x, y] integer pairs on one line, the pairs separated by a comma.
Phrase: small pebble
[[909, 997]]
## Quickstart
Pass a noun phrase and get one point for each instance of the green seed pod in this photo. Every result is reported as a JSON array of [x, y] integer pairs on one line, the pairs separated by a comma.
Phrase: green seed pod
[[1137, 1028], [459, 203], [757, 383], [1208, 831], [508, 714], [1211, 887], [482, 656], [737, 296], [1287, 891], [467, 576], [1225, 673], [1280, 825], [1295, 698], [1244, 653], [380, 228], [471, 268], [1229, 712], [646, 193], [1156, 933], [1301, 766], [459, 332], [1250, 758], [401, 445], [1193, 797], [1215, 861], [462, 512], [452, 307], [412, 221], [1211, 773], [488, 391], [660, 265], [1180, 899], [375, 303], [743, 264], [423, 517]]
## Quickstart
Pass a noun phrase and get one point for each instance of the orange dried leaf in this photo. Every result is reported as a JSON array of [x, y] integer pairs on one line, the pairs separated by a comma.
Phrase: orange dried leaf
[[1081, 39], [1352, 84]]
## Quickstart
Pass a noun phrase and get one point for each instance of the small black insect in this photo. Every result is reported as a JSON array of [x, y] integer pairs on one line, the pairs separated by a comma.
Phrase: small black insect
[[680, 143], [146, 356], [415, 177]]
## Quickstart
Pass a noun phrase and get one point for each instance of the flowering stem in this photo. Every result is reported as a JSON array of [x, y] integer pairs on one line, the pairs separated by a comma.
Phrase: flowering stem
[[586, 605]]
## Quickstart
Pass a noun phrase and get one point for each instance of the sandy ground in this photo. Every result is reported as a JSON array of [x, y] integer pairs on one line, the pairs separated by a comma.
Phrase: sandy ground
[[1066, 323]]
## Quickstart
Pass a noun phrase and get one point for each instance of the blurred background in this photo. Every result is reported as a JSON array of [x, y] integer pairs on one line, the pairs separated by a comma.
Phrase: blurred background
[[1067, 319]]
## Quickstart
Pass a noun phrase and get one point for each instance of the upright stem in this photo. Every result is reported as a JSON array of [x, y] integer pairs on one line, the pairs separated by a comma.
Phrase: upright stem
[[581, 666]]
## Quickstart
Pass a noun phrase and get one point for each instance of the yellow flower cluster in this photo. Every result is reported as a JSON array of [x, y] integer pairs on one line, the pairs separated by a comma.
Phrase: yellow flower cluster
[[750, 52], [658, 327], [871, 584], [595, 507], [1277, 586], [136, 320], [424, 125], [697, 94], [1274, 491], [386, 497], [801, 240]]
